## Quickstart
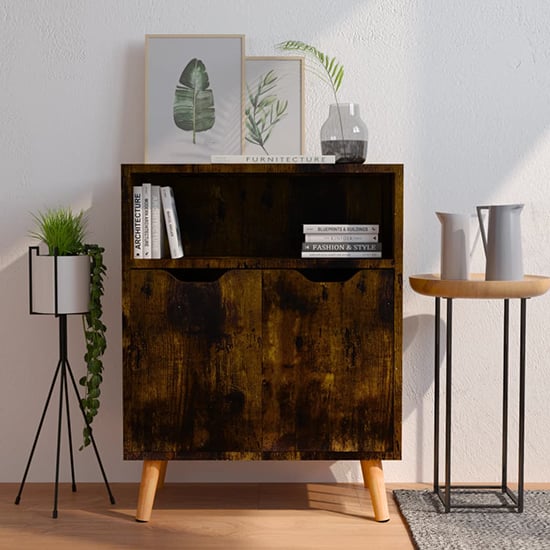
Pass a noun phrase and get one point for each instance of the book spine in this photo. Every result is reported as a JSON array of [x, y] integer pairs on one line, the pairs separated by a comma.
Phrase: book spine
[[341, 237], [138, 213], [273, 159], [146, 220], [342, 247], [172, 222], [341, 228], [342, 254], [156, 223]]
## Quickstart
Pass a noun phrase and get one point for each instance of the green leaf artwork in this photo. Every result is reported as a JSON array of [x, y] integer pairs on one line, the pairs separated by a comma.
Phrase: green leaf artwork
[[194, 101], [263, 110]]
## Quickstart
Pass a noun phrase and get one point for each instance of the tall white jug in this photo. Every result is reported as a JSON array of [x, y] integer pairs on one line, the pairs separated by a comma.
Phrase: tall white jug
[[455, 245], [502, 242]]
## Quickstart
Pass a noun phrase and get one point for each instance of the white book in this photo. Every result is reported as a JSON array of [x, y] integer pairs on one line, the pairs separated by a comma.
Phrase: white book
[[172, 222], [146, 220], [343, 254], [273, 159], [137, 223], [341, 228], [341, 237], [157, 224]]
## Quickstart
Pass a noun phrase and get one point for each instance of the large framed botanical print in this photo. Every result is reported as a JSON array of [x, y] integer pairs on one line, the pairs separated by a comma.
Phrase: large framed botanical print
[[194, 97]]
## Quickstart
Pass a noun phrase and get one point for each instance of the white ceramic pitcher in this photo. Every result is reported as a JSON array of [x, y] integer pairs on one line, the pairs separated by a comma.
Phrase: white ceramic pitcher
[[502, 242], [455, 245]]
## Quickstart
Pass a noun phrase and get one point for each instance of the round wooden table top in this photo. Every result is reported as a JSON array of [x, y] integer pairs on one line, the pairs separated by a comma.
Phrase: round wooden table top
[[477, 287]]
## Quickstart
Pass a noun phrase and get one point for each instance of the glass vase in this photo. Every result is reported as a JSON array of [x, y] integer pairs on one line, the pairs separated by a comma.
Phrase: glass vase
[[344, 134]]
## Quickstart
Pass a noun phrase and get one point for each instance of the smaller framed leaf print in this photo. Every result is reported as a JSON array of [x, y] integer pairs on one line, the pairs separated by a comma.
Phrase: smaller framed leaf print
[[194, 97], [274, 106]]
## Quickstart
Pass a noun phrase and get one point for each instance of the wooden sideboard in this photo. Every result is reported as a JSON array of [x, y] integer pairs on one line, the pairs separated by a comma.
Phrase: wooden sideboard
[[243, 350]]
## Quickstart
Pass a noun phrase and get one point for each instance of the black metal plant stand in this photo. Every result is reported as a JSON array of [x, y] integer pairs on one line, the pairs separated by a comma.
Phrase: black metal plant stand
[[62, 370]]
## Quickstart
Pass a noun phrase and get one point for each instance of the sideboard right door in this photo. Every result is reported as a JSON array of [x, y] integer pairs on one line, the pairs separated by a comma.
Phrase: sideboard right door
[[328, 365]]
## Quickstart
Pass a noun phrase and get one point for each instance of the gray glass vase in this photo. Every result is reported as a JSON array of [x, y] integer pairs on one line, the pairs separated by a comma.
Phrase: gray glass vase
[[344, 134]]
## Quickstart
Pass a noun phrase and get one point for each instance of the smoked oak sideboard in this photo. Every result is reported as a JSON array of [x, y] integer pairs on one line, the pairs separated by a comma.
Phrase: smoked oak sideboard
[[244, 350]]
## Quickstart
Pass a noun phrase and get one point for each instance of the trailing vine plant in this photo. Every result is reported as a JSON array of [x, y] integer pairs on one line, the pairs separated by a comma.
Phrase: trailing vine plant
[[63, 232], [96, 342]]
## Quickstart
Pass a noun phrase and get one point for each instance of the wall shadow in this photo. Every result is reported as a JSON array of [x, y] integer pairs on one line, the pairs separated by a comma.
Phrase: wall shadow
[[418, 378]]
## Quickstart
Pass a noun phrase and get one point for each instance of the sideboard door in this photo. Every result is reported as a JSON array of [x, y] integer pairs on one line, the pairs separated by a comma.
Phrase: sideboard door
[[192, 364], [329, 375]]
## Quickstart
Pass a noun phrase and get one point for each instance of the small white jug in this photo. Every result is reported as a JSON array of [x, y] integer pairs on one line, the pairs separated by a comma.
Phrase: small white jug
[[502, 242], [455, 245]]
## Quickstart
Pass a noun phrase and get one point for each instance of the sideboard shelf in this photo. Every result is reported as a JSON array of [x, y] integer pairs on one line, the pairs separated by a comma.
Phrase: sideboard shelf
[[242, 350], [226, 262]]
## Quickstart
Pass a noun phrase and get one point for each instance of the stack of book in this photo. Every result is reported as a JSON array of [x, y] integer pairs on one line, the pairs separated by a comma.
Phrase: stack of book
[[155, 222], [341, 241]]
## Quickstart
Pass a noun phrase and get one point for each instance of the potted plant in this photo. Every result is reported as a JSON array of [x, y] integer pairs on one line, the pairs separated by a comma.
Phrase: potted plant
[[69, 280], [343, 134]]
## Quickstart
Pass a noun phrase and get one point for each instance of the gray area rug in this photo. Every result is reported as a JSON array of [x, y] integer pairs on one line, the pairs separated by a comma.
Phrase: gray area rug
[[476, 529]]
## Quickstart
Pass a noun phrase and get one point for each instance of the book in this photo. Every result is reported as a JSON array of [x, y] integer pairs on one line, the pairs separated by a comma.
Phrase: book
[[138, 251], [351, 247], [341, 228], [273, 159], [342, 254], [172, 222], [146, 220], [157, 224], [341, 237]]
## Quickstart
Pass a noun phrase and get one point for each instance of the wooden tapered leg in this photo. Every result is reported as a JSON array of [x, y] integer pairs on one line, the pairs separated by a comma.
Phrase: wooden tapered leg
[[373, 478], [150, 476]]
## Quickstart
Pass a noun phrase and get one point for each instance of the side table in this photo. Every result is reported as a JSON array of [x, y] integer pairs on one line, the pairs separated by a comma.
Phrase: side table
[[477, 288]]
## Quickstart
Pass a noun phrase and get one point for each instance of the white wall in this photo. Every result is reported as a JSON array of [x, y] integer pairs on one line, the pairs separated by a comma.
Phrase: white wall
[[457, 91]]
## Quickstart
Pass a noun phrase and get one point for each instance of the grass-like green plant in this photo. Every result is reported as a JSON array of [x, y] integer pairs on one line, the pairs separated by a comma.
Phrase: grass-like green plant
[[64, 232], [263, 110], [327, 68]]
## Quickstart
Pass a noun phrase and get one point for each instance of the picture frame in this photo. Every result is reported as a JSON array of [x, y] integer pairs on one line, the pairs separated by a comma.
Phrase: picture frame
[[188, 74], [279, 82]]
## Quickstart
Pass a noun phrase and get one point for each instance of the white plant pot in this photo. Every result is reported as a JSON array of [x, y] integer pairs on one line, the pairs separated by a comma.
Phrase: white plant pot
[[73, 284]]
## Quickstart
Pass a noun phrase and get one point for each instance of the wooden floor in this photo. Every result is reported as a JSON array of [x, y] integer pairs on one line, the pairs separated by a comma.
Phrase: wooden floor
[[200, 516]]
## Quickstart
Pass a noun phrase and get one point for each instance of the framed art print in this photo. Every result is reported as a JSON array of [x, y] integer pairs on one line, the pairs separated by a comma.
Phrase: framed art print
[[274, 105], [194, 97]]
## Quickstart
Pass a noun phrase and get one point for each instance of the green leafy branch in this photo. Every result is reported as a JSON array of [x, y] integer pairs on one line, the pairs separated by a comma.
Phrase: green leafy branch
[[332, 71], [263, 110]]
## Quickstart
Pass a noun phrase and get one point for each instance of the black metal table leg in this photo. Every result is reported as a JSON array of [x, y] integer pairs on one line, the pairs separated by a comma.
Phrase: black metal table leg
[[446, 496], [523, 323], [436, 393], [505, 385], [448, 404]]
